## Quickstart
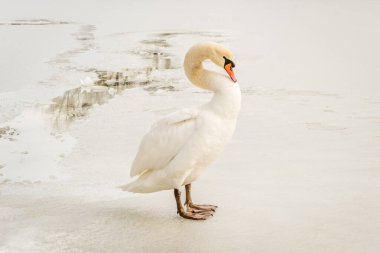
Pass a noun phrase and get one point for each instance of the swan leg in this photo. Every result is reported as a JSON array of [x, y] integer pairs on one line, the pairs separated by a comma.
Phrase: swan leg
[[188, 214], [196, 208]]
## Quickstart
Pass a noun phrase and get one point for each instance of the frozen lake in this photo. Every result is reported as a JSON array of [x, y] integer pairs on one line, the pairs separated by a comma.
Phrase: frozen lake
[[82, 82]]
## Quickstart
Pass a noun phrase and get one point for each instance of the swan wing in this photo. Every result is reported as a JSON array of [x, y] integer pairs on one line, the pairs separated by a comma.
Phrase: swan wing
[[164, 141]]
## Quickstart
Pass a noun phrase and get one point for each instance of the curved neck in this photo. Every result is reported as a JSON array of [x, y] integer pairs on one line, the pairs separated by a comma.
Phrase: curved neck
[[194, 68], [227, 97]]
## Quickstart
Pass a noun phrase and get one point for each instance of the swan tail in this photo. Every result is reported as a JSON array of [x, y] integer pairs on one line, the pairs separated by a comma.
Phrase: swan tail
[[153, 181], [136, 187], [144, 185]]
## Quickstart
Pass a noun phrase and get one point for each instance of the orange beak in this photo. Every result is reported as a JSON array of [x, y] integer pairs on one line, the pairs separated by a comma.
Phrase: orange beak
[[230, 72]]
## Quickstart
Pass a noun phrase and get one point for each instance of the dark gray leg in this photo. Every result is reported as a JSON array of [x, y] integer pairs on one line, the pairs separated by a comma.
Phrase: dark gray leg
[[188, 214], [192, 206]]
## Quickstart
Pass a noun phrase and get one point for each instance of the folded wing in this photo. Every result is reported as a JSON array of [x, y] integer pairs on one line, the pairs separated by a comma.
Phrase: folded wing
[[164, 141]]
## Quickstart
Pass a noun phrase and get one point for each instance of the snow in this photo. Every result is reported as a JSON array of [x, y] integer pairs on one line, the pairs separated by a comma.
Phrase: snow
[[301, 174]]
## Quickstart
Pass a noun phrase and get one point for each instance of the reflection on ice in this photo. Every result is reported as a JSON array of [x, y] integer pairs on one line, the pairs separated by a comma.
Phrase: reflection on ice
[[76, 102]]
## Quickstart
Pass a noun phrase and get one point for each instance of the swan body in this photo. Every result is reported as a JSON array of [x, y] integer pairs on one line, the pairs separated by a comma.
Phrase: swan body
[[182, 145]]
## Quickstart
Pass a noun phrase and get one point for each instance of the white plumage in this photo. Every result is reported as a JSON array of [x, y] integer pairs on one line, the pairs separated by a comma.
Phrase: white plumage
[[180, 146]]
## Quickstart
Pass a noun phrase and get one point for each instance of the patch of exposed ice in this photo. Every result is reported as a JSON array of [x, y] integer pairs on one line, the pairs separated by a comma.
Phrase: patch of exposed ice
[[34, 154]]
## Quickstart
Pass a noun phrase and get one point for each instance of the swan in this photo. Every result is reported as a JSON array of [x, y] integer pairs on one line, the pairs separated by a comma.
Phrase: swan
[[180, 146]]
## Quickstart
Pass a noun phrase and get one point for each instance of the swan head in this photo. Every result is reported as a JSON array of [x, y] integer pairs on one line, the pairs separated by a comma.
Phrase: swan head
[[222, 57], [205, 79]]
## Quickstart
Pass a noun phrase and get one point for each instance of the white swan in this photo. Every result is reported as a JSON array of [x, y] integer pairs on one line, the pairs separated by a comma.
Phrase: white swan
[[180, 146]]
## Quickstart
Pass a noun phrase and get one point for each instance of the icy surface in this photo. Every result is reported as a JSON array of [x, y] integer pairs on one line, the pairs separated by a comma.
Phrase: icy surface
[[81, 82]]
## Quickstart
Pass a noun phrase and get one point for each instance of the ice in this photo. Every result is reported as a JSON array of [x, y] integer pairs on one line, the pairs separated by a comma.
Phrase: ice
[[82, 81]]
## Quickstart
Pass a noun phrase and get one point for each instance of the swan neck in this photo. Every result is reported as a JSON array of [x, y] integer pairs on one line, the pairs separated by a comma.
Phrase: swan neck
[[227, 103], [194, 68], [227, 95]]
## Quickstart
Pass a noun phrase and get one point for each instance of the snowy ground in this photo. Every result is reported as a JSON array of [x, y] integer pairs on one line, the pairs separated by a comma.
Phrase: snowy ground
[[82, 82]]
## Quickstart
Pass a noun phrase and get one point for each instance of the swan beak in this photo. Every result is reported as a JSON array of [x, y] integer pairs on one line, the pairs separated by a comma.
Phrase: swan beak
[[228, 67]]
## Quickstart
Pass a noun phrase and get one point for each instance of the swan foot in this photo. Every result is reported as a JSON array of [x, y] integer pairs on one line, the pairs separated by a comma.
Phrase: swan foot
[[204, 208], [196, 210], [189, 202], [190, 213], [195, 215]]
